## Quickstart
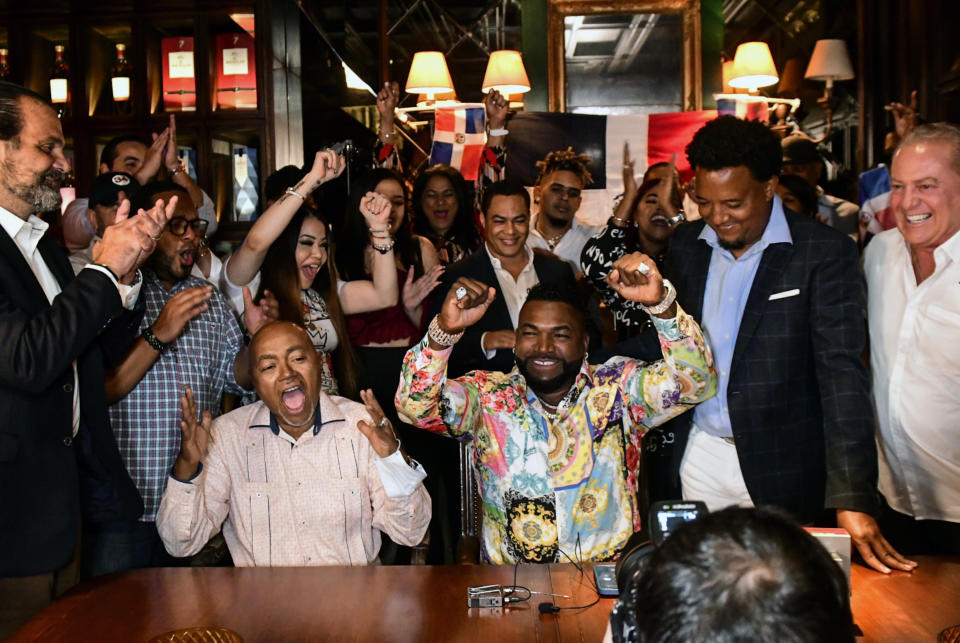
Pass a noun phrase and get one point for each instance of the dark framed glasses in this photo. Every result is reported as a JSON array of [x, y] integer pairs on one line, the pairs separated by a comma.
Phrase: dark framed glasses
[[178, 226]]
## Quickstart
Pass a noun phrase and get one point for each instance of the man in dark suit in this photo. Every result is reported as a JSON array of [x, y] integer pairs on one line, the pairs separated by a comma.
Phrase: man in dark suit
[[509, 265], [781, 300], [57, 453]]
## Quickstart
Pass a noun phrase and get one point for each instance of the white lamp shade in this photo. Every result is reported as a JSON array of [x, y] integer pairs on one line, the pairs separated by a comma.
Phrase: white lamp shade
[[429, 74], [753, 66], [830, 61], [505, 73]]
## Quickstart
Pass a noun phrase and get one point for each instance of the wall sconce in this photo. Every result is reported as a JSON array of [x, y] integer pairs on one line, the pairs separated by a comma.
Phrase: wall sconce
[[506, 74], [429, 75], [120, 75], [830, 61], [59, 86], [753, 67]]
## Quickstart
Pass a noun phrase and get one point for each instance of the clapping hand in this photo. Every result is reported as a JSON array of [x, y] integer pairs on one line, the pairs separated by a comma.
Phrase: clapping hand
[[466, 302], [635, 277], [256, 316], [669, 198], [415, 291], [130, 240], [195, 437]]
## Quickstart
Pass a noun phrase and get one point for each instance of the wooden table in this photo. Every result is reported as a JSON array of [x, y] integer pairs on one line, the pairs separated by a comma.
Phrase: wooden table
[[420, 604]]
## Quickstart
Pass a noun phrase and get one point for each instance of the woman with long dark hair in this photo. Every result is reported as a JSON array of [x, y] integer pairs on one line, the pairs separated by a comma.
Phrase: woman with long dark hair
[[443, 213], [288, 252], [382, 338]]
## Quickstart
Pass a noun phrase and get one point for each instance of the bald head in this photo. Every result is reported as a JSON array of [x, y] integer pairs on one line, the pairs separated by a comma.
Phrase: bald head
[[286, 373]]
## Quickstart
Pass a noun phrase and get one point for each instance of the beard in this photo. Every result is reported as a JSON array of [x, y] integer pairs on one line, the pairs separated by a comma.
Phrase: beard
[[736, 244], [540, 386], [43, 195], [556, 222]]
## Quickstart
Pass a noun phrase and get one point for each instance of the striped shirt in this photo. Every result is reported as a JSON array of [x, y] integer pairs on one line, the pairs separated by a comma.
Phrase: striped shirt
[[146, 422]]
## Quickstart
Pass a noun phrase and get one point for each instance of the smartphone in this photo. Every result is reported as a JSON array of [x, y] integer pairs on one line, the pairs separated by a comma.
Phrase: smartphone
[[606, 576]]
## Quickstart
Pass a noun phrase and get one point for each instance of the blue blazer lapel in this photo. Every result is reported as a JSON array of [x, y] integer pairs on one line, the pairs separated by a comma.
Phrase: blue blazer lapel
[[772, 264]]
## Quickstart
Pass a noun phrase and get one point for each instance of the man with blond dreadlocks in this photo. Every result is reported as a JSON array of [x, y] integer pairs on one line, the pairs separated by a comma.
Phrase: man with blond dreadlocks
[[563, 175]]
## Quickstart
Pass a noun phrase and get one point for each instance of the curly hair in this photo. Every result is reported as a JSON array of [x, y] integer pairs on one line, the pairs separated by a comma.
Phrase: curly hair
[[728, 141], [565, 160]]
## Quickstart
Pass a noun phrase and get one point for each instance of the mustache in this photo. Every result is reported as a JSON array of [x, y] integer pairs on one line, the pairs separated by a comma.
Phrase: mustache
[[54, 175]]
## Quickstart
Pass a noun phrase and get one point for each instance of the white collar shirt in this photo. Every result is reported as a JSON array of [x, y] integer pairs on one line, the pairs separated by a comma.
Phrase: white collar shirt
[[915, 363], [571, 244], [514, 291], [26, 236]]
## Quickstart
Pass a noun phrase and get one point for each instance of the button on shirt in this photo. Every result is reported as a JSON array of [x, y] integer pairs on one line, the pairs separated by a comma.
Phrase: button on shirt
[[570, 246], [146, 422], [915, 362], [26, 235], [729, 281]]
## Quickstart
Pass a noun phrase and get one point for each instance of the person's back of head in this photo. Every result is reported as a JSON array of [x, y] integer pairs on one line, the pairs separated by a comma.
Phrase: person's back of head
[[742, 575]]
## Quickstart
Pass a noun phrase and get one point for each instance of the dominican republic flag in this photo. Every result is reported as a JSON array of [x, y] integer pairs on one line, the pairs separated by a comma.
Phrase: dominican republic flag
[[652, 138], [753, 110], [875, 200], [458, 139]]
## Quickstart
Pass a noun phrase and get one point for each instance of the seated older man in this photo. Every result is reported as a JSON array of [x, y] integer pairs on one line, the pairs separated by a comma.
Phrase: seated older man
[[299, 477]]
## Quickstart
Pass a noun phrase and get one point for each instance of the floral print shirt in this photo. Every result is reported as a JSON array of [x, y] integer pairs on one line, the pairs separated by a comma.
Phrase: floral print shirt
[[564, 484]]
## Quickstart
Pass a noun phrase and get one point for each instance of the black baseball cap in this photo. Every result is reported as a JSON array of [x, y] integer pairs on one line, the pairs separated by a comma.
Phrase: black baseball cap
[[107, 186]]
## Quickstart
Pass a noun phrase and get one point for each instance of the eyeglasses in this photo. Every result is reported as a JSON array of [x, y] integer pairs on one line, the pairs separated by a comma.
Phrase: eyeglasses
[[178, 226], [559, 190]]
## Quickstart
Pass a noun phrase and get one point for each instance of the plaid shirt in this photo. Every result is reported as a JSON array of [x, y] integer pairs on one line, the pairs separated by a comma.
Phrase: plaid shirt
[[146, 422]]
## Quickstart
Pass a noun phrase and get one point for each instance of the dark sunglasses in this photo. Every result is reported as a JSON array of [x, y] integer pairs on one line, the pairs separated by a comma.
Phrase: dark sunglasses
[[178, 226]]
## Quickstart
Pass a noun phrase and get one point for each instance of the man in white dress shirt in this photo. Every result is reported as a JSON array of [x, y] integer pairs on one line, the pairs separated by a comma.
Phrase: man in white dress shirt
[[913, 280], [297, 478]]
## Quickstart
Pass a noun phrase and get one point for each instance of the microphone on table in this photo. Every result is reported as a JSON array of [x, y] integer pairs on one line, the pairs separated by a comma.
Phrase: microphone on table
[[548, 608]]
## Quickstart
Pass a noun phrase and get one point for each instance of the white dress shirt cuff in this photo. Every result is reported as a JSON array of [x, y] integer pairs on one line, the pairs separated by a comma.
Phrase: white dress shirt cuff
[[489, 354], [399, 479], [128, 294]]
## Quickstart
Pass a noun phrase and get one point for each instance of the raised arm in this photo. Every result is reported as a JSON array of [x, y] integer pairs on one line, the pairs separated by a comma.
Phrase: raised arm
[[686, 375], [246, 261], [196, 501], [426, 398], [363, 295]]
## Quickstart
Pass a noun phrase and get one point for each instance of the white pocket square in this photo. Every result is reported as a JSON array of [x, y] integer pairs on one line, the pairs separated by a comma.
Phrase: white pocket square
[[784, 294]]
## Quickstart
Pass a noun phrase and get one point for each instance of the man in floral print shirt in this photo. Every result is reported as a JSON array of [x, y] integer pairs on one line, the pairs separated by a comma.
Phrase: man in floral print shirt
[[555, 442]]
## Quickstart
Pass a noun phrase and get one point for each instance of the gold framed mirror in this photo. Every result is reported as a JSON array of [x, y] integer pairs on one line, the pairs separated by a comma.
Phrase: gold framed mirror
[[620, 56]]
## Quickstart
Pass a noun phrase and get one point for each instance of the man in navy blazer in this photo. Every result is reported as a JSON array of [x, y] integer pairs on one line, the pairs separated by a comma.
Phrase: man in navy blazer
[[509, 265], [781, 300], [57, 452]]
